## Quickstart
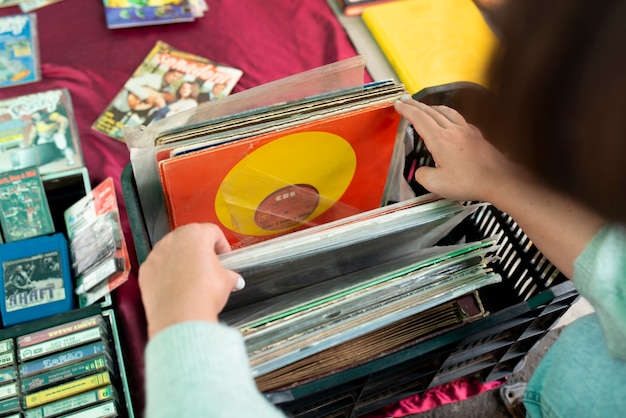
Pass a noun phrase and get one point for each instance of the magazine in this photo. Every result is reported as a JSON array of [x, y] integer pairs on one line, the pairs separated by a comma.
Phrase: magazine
[[168, 81], [19, 50], [131, 13], [39, 129]]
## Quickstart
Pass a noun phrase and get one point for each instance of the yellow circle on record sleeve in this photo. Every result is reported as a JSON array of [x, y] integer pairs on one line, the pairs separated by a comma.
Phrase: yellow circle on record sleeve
[[285, 183]]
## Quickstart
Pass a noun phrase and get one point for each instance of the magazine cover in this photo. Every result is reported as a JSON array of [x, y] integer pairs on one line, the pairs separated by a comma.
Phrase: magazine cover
[[168, 81], [130, 13], [24, 210], [39, 130], [19, 50]]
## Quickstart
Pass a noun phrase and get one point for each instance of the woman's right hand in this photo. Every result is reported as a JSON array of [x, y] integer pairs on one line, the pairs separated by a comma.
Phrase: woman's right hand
[[182, 278]]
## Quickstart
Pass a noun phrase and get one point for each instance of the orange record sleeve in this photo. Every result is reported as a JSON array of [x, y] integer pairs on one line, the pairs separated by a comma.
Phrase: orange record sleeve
[[271, 184]]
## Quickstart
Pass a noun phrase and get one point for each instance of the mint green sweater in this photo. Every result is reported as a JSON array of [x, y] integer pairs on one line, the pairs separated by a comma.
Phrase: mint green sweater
[[200, 369], [584, 372]]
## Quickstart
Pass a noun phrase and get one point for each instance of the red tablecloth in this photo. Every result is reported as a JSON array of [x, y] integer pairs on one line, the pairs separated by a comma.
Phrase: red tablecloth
[[267, 39]]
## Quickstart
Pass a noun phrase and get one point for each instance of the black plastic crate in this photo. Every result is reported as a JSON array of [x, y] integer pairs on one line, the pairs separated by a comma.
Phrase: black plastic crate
[[523, 307]]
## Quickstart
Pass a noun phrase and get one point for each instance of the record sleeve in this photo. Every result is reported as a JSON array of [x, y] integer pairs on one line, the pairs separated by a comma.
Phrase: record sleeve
[[262, 187], [340, 329], [433, 42], [141, 140], [389, 339], [310, 256]]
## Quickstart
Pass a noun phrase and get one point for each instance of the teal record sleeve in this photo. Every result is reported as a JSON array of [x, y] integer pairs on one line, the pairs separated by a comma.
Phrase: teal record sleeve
[[36, 279]]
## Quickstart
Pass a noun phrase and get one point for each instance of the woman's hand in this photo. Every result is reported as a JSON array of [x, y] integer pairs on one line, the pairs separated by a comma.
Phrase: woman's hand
[[467, 167], [470, 168], [183, 280]]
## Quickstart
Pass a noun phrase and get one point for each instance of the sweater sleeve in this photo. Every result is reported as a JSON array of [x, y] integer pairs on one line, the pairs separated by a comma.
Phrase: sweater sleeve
[[200, 369], [600, 277]]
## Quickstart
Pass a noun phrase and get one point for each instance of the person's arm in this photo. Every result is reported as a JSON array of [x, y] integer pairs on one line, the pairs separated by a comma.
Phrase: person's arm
[[194, 366], [467, 167]]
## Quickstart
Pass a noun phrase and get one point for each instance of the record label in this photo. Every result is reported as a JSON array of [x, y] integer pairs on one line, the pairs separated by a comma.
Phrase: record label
[[285, 183], [287, 207]]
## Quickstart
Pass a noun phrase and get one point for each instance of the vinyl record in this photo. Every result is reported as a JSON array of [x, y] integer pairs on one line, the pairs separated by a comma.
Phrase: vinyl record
[[285, 183]]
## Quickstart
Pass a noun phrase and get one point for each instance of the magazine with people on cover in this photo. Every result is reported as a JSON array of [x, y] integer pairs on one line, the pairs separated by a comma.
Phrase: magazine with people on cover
[[167, 81]]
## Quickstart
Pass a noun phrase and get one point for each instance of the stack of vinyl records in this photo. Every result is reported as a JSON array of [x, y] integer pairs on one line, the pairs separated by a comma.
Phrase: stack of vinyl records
[[384, 341], [321, 287], [285, 156], [299, 174]]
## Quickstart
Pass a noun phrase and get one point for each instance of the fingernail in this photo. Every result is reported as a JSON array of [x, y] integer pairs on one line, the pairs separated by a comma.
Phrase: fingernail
[[405, 97], [241, 283]]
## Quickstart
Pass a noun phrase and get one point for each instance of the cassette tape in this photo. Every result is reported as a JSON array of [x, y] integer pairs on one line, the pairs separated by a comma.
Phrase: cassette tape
[[7, 358], [66, 373], [66, 390], [6, 345], [64, 358], [60, 330], [8, 390], [73, 403], [9, 405], [61, 343], [104, 410], [8, 374], [37, 281]]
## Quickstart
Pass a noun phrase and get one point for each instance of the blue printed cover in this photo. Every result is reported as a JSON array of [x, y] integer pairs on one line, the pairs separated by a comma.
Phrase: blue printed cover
[[36, 279], [141, 13], [19, 50]]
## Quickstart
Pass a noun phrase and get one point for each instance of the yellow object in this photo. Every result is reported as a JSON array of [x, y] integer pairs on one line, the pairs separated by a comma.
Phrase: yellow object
[[433, 42], [67, 389], [287, 182]]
